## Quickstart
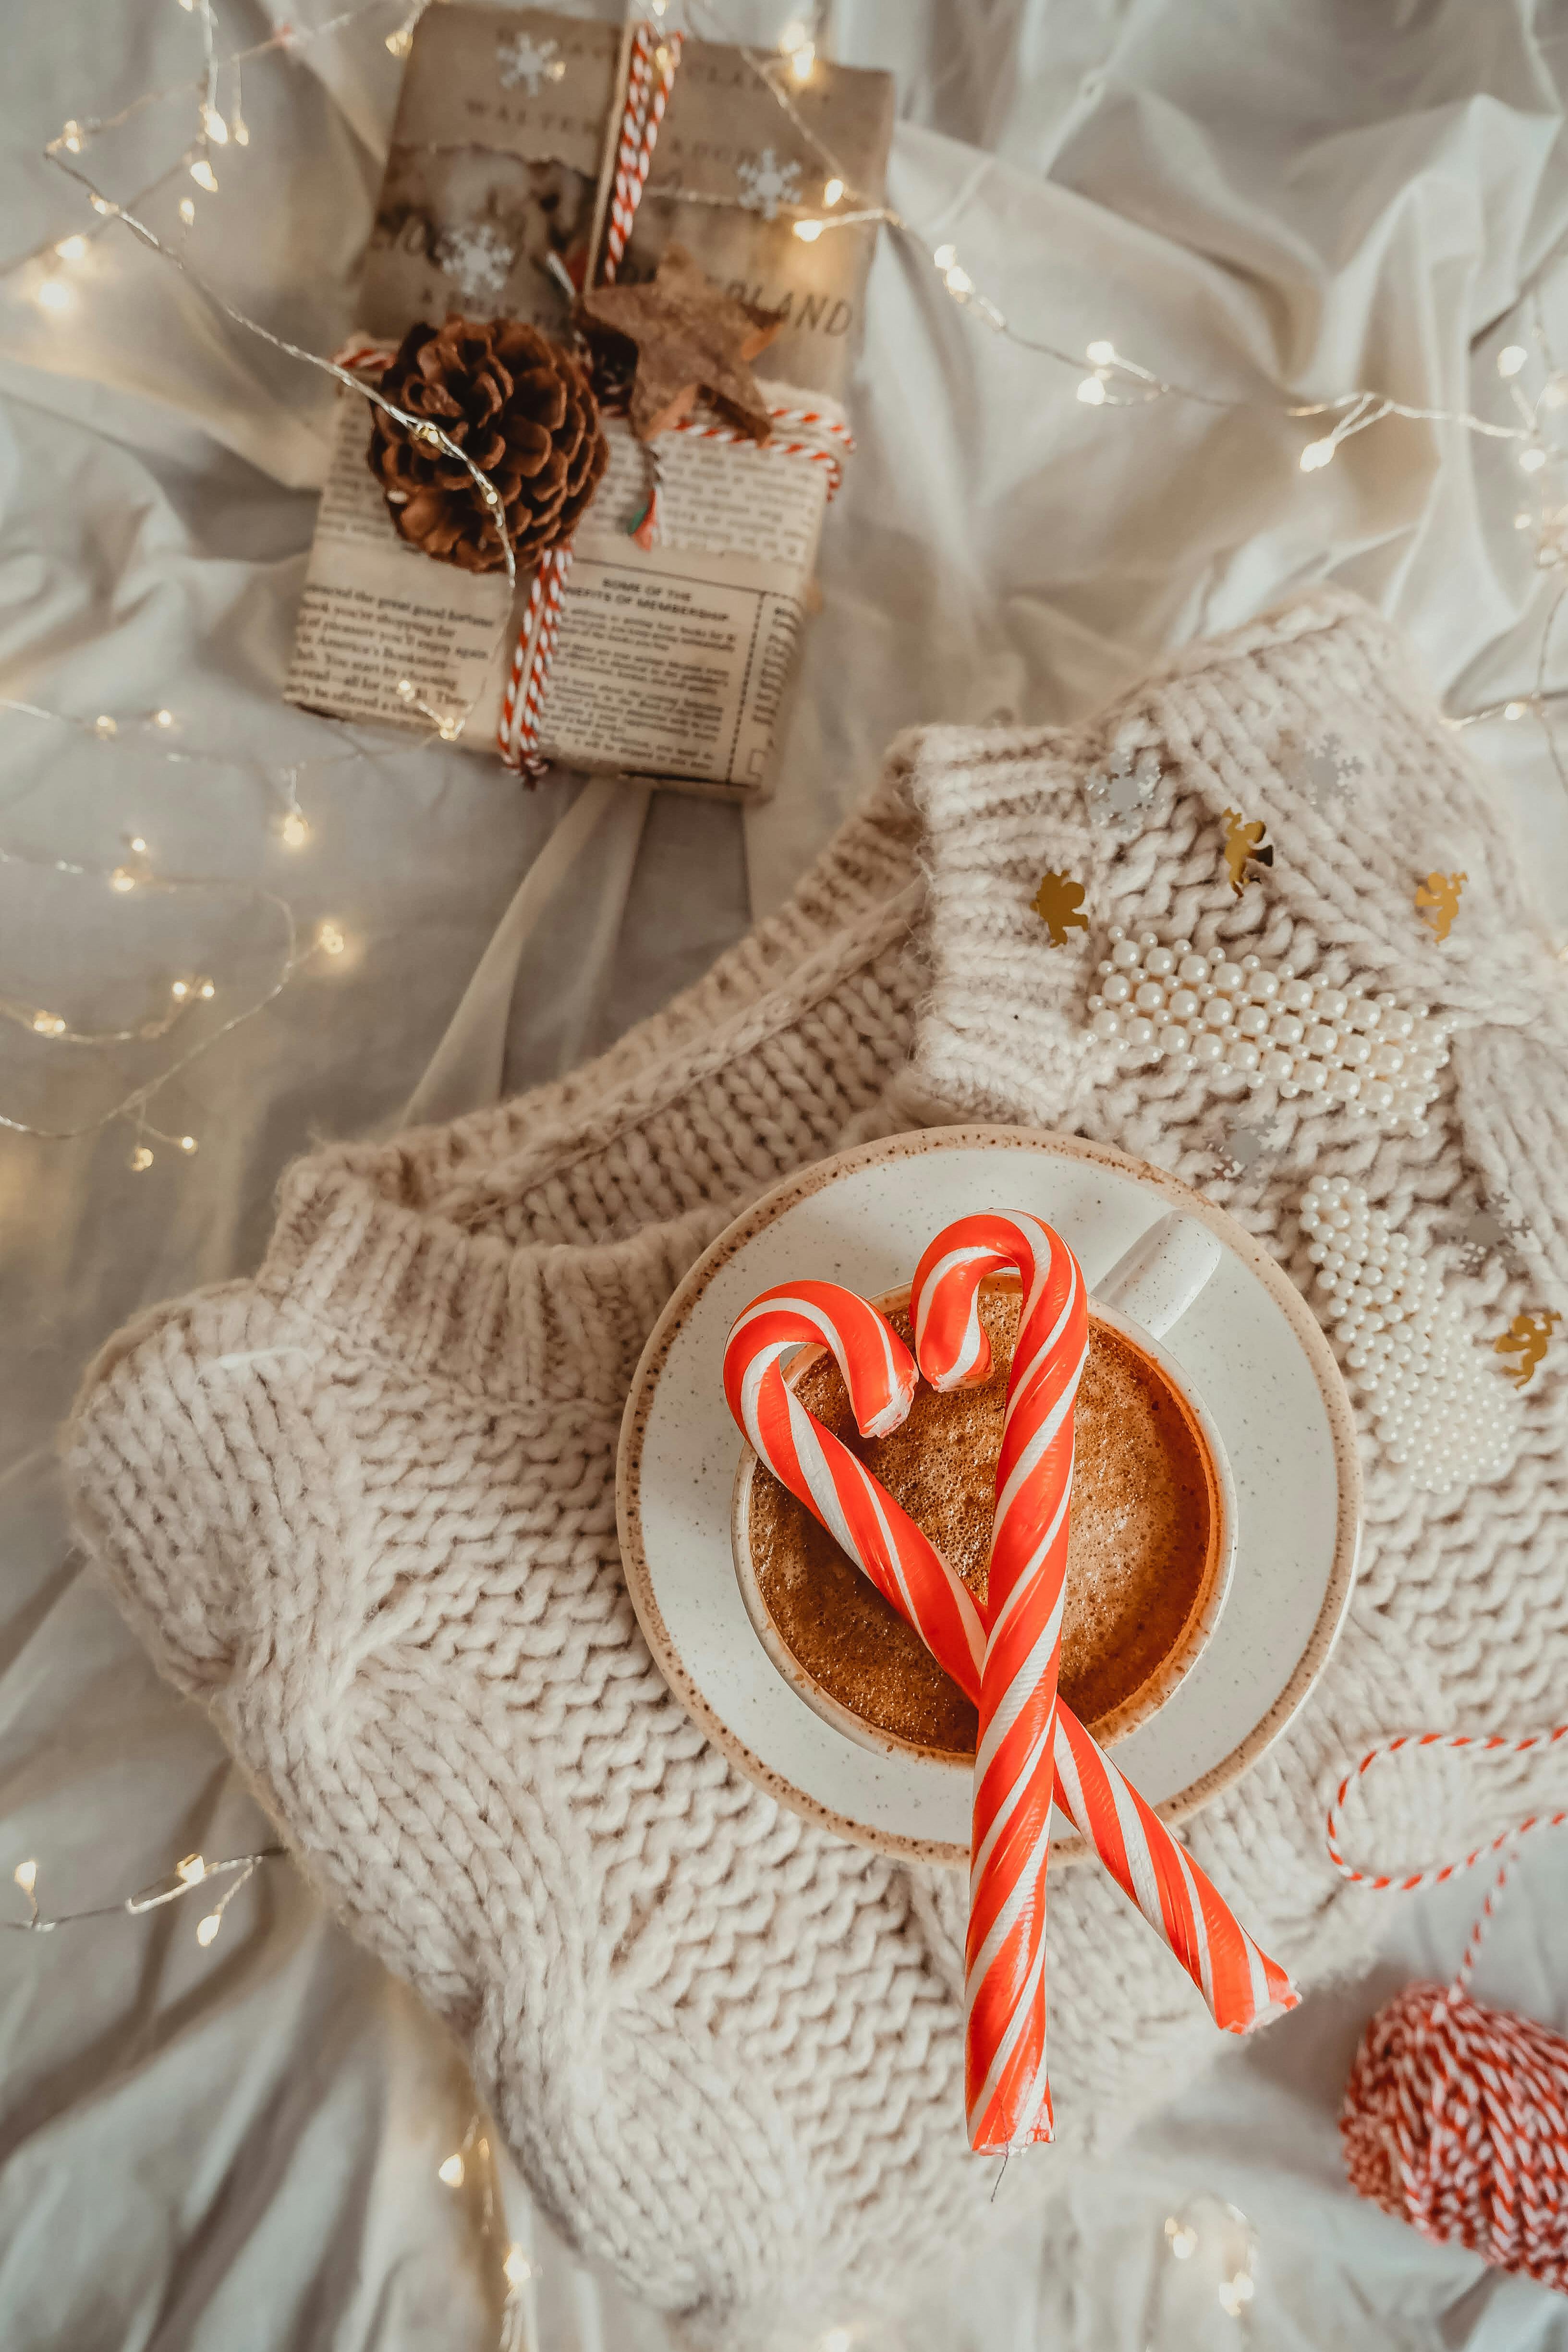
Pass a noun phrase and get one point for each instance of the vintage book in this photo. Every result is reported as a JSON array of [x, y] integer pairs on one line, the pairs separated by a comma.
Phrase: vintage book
[[673, 661]]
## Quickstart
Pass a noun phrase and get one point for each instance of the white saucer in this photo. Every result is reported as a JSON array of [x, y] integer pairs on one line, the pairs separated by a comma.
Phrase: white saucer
[[1250, 1344]]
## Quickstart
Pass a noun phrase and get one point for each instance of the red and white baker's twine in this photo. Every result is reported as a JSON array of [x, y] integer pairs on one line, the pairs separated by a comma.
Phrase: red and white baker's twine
[[650, 75], [1485, 1744], [647, 526], [1240, 1985], [517, 736], [1455, 2116]]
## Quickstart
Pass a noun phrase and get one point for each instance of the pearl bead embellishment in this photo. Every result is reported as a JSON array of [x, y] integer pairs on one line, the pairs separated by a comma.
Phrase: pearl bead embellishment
[[1202, 1011], [1441, 1410]]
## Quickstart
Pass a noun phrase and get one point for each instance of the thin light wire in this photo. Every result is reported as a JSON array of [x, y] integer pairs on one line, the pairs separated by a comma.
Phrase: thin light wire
[[1122, 382], [1356, 411], [93, 126], [420, 427], [145, 879], [150, 1898]]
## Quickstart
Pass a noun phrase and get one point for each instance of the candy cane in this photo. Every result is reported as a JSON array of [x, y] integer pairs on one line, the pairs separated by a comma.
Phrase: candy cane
[[854, 1506], [1004, 1961], [1240, 1985]]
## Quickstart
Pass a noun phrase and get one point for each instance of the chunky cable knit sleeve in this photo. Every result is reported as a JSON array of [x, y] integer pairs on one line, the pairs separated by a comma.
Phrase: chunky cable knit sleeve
[[362, 1506]]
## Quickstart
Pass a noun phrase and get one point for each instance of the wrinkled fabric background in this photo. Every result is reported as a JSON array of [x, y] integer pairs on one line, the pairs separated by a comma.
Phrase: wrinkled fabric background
[[237, 2147]]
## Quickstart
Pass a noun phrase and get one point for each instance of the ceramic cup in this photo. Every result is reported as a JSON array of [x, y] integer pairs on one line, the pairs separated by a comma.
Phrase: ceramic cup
[[1149, 1289]]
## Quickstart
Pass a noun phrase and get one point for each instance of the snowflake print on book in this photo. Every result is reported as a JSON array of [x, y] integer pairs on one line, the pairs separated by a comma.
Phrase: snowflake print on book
[[768, 183], [533, 63], [477, 260], [1120, 792]]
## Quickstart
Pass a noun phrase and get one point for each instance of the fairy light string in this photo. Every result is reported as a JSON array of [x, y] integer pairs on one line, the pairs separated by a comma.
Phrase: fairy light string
[[1115, 380], [1107, 378], [190, 1876]]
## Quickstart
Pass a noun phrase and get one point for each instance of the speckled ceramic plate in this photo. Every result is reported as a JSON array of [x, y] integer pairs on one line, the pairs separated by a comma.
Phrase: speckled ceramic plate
[[1251, 1346]]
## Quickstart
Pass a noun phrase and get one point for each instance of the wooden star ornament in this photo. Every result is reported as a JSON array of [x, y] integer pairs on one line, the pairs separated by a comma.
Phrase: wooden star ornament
[[690, 337]]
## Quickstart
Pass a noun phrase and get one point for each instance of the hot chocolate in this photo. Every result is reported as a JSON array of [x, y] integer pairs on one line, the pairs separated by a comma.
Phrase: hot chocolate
[[1139, 1558]]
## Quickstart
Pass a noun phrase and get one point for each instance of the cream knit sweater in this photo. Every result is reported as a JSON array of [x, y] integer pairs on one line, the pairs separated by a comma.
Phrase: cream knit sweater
[[362, 1505]]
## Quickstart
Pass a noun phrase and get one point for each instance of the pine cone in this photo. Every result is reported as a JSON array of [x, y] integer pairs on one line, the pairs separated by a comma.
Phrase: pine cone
[[521, 407]]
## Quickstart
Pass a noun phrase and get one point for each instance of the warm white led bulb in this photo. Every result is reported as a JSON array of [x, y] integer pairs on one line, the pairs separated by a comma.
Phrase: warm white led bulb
[[26, 1875], [1511, 359], [295, 829], [140, 1158], [803, 57], [517, 2266], [207, 1928], [215, 126], [808, 231], [203, 175], [330, 941], [72, 249], [832, 191], [165, 719], [54, 294], [193, 1870], [1531, 460], [1316, 455], [122, 879], [187, 1144], [959, 280], [1514, 709], [945, 256], [451, 2171], [1091, 392], [1103, 354], [188, 210]]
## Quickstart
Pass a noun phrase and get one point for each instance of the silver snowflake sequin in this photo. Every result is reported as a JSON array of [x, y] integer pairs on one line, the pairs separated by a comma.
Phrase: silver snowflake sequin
[[1245, 1146], [477, 260], [523, 60], [768, 183], [1487, 1230], [1121, 791], [1326, 771]]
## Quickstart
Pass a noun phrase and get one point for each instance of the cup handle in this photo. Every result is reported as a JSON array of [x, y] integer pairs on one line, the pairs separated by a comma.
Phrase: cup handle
[[1155, 1282]]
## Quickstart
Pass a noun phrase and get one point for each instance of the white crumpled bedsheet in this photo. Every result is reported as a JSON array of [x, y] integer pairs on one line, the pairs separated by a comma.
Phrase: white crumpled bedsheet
[[237, 2146]]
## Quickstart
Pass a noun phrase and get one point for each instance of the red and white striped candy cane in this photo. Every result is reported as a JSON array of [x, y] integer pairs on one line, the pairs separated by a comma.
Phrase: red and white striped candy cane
[[1240, 1984], [1005, 1960], [854, 1508]]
